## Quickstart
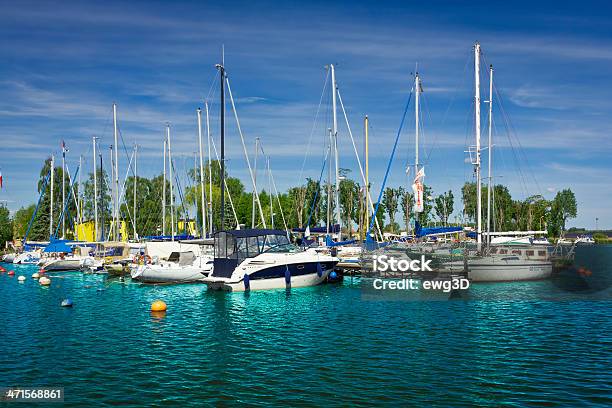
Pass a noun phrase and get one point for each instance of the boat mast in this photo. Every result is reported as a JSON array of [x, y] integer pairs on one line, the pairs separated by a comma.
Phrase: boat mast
[[271, 193], [79, 208], [255, 183], [63, 187], [164, 192], [116, 135], [102, 186], [95, 180], [367, 172], [490, 153], [135, 186], [171, 182], [210, 209], [222, 120], [329, 177], [477, 131], [111, 225], [51, 191], [203, 203], [417, 90], [335, 145]]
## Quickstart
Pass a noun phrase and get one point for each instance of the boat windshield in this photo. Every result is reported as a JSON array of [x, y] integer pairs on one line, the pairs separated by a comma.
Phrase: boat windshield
[[283, 248]]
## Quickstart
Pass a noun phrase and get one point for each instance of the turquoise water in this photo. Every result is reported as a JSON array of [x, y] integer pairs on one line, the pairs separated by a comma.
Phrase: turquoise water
[[313, 346]]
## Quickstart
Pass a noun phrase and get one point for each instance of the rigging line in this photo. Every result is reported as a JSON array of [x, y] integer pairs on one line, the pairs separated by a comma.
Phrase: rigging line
[[382, 188], [226, 188], [368, 196], [246, 155], [121, 195], [314, 201], [314, 124], [212, 85], [274, 186]]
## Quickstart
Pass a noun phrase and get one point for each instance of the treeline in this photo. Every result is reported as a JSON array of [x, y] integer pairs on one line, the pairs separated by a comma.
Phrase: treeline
[[297, 207]]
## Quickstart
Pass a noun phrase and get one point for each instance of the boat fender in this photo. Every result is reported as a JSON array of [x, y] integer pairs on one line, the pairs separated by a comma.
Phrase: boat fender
[[333, 275], [247, 282], [287, 276], [319, 270]]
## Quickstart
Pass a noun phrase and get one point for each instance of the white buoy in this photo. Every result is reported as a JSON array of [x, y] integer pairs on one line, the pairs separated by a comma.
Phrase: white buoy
[[35, 275], [44, 281], [21, 278]]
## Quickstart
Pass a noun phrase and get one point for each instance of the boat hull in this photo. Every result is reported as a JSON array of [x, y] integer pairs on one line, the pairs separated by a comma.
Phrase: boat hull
[[64, 265], [500, 272], [156, 274], [300, 281]]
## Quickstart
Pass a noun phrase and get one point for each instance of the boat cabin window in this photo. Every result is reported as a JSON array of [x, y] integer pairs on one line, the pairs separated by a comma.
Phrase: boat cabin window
[[503, 251], [516, 252], [242, 247], [530, 253], [493, 250], [542, 253]]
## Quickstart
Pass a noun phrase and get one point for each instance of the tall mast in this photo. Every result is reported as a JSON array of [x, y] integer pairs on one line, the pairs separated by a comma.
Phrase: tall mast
[[164, 192], [222, 121], [116, 135], [63, 188], [417, 91], [210, 212], [477, 130], [111, 224], [51, 191], [255, 182], [271, 193], [490, 153], [335, 138], [102, 186], [329, 178], [79, 194], [135, 186], [95, 180], [171, 182], [203, 203], [367, 166]]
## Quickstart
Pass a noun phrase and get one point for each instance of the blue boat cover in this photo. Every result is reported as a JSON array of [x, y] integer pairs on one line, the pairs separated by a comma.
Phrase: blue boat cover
[[420, 231]]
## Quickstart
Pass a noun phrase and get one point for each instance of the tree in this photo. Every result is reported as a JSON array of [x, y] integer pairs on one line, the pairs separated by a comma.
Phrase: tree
[[390, 201], [6, 226], [563, 207], [444, 206], [349, 203], [104, 199], [21, 219], [407, 204], [423, 217]]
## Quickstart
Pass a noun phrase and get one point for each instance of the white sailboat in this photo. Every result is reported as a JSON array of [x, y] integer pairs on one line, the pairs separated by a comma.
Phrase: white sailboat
[[497, 264]]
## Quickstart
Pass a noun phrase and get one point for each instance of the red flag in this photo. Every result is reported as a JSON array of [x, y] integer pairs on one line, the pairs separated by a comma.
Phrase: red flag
[[0, 178]]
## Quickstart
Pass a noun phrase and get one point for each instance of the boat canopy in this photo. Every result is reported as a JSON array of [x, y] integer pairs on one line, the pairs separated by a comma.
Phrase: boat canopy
[[420, 231], [59, 245], [234, 246], [330, 243], [333, 229]]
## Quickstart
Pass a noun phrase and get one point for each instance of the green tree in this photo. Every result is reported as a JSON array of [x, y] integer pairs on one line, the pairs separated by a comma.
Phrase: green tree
[[564, 207], [349, 203], [390, 201], [407, 204], [444, 206], [6, 226], [21, 219]]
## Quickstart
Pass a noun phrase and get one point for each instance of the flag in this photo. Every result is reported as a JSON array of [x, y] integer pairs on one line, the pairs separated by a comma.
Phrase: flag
[[64, 148], [307, 232], [0, 178], [417, 189]]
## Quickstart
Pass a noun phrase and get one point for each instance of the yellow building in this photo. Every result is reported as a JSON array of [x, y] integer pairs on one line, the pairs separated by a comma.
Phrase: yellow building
[[86, 232]]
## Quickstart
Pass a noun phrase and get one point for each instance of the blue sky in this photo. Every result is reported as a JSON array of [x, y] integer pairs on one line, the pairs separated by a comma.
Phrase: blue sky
[[65, 63]]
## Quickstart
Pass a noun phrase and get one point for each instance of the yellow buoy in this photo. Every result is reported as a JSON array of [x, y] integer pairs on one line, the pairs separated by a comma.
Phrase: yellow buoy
[[158, 306], [35, 275], [44, 281]]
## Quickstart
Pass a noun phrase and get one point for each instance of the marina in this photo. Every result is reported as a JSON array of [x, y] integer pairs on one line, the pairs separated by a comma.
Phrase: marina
[[303, 204]]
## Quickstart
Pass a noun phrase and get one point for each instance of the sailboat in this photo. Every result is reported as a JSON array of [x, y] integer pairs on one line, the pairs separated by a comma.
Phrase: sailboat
[[498, 263]]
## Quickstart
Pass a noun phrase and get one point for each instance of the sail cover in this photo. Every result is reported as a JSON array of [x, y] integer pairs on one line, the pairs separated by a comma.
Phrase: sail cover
[[417, 189]]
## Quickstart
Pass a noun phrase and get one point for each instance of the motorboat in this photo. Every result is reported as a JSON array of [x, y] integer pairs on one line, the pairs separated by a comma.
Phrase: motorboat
[[27, 258], [191, 264], [9, 258], [264, 259]]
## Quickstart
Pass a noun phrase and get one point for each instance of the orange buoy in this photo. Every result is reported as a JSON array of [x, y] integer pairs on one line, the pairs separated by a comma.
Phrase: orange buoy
[[158, 306]]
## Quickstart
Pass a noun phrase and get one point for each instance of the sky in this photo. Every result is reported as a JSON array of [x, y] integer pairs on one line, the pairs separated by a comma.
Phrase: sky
[[65, 63]]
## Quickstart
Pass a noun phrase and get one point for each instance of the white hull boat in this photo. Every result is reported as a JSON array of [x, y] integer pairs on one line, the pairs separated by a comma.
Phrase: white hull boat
[[264, 259]]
